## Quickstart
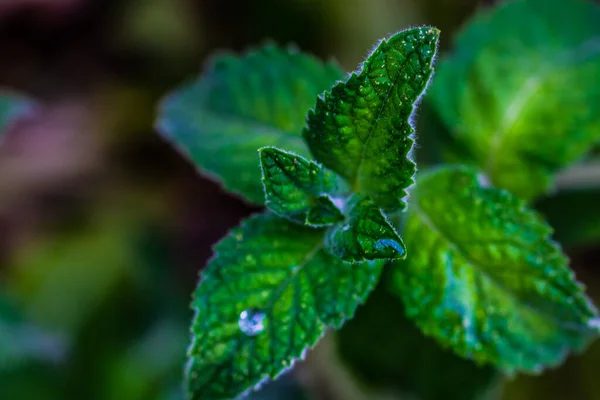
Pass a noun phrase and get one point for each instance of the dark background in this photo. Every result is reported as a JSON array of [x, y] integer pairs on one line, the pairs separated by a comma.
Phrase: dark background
[[104, 227]]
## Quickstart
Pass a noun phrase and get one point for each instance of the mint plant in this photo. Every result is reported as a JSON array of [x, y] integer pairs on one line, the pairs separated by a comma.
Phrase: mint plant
[[330, 156]]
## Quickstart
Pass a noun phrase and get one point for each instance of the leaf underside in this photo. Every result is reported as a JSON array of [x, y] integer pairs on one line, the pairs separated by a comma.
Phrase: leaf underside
[[241, 104], [361, 128], [268, 294], [521, 91], [485, 279]]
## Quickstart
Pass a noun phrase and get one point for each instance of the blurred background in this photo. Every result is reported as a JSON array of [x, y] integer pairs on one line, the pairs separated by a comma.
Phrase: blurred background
[[104, 227]]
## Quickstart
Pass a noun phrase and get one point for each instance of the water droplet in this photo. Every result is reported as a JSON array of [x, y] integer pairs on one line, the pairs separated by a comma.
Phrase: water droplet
[[251, 322], [383, 244]]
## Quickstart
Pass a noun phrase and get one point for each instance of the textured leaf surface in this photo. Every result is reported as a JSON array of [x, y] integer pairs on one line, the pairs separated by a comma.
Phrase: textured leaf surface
[[241, 104], [365, 235], [10, 108], [361, 128], [522, 90], [484, 278], [269, 293], [299, 189]]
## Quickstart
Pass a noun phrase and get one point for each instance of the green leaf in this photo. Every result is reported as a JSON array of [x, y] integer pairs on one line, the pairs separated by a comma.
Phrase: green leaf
[[269, 293], [362, 127], [485, 279], [521, 90], [299, 189], [22, 342], [241, 104], [324, 212], [11, 107], [386, 351], [62, 279], [365, 235], [156, 357]]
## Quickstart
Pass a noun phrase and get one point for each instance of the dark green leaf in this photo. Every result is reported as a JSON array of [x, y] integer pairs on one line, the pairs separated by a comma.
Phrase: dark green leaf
[[485, 279], [241, 104], [522, 90], [299, 189], [365, 235], [86, 266], [268, 294], [21, 341], [385, 350], [362, 127], [323, 212]]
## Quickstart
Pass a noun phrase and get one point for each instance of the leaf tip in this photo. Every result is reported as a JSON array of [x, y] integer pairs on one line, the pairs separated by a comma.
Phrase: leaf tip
[[266, 153]]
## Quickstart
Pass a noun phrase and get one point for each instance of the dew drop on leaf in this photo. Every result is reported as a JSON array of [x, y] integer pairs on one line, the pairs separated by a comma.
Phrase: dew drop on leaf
[[383, 244], [251, 322]]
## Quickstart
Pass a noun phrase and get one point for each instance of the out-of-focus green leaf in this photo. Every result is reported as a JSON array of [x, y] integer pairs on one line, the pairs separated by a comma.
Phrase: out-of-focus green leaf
[[384, 349], [362, 127], [241, 104], [61, 281], [522, 90], [484, 278], [365, 235], [269, 293], [33, 382], [22, 342], [299, 189], [151, 364]]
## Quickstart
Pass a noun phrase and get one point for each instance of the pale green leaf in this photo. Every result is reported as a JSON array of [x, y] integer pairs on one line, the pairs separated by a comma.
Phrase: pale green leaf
[[299, 189], [362, 127], [484, 278], [269, 293], [365, 235], [521, 90], [241, 104]]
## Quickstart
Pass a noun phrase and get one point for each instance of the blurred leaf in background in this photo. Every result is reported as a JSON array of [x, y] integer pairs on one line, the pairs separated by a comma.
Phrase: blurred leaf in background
[[384, 349], [22, 342], [508, 87], [101, 218]]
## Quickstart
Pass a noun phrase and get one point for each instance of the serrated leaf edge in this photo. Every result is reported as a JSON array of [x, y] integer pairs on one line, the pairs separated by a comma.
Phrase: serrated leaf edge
[[336, 201], [257, 386], [359, 70]]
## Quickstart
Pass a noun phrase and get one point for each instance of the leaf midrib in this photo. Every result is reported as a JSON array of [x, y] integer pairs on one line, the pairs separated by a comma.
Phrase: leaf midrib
[[384, 107], [431, 225], [528, 90]]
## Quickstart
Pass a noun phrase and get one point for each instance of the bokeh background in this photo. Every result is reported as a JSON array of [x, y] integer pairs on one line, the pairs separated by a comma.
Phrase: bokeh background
[[104, 227]]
